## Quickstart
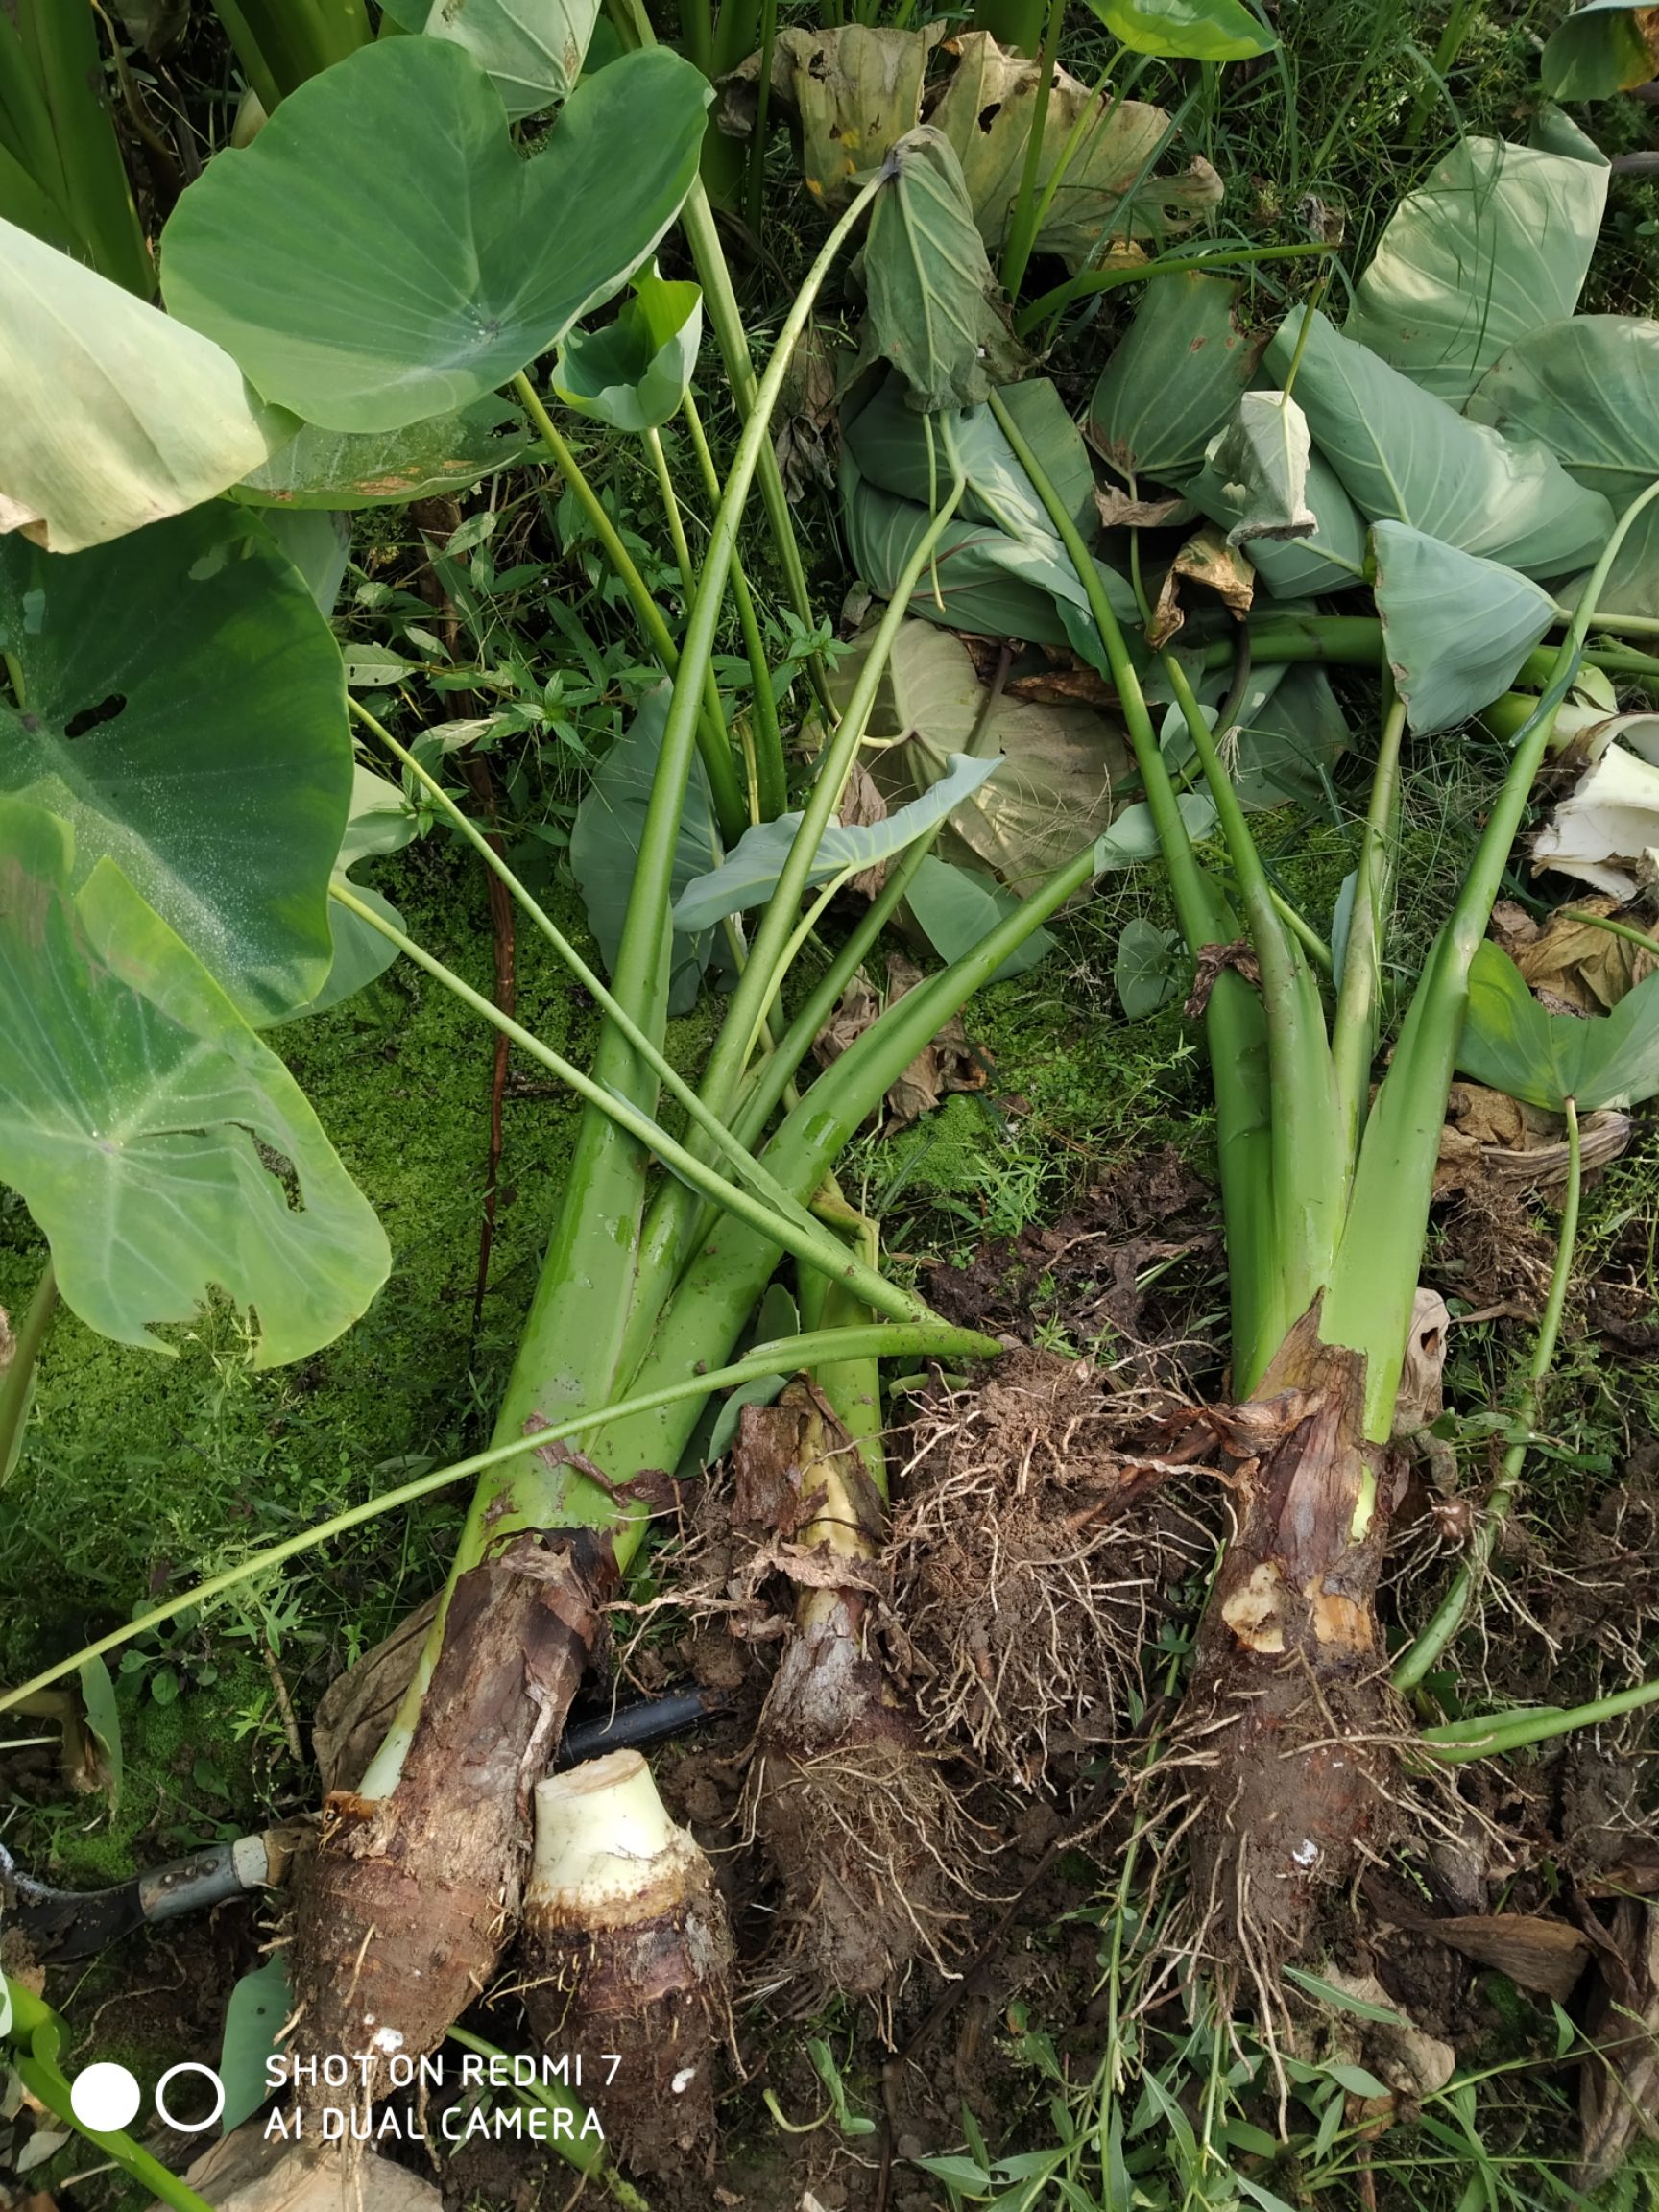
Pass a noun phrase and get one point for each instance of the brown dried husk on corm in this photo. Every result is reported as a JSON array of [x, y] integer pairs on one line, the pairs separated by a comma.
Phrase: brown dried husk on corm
[[1288, 1746], [871, 1849], [402, 1911], [1030, 1559]]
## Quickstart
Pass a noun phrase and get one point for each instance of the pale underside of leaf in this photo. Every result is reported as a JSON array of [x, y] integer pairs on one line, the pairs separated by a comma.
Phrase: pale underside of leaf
[[114, 414], [1404, 456], [1456, 628], [1493, 246]]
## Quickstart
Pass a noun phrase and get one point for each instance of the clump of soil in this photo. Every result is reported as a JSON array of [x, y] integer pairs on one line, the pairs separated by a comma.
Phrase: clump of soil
[[1031, 1562]]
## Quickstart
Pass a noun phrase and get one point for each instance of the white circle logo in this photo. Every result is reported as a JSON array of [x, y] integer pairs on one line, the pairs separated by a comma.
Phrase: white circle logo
[[105, 2096]]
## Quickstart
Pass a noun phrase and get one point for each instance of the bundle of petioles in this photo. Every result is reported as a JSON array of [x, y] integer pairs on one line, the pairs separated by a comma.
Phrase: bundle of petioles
[[310, 354]]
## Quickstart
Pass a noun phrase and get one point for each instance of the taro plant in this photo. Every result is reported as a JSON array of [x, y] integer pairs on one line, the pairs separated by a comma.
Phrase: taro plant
[[182, 804], [179, 817]]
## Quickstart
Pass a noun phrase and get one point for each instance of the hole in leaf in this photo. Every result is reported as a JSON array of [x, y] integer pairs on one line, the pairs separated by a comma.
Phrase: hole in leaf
[[89, 718], [278, 1165], [988, 115]]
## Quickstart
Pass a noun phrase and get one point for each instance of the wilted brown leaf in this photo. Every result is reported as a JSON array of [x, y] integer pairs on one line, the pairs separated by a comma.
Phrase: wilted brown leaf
[[1580, 966], [1109, 190], [1119, 512], [1491, 1138], [950, 1063], [861, 804], [808, 440], [1205, 558], [1535, 1953], [849, 93]]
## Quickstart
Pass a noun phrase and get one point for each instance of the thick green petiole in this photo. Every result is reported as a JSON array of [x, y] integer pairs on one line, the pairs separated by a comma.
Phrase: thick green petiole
[[1355, 1035], [17, 1376], [770, 785], [1022, 225], [1455, 1742], [1374, 1282]]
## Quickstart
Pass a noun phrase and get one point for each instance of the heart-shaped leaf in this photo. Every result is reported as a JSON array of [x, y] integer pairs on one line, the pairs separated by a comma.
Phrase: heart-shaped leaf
[[634, 373], [750, 876], [382, 251], [162, 1148], [889, 441], [532, 49], [115, 414], [1191, 30], [1456, 628], [185, 711], [1512, 1045], [1589, 390], [344, 469], [982, 579], [931, 290], [1404, 456], [1495, 245]]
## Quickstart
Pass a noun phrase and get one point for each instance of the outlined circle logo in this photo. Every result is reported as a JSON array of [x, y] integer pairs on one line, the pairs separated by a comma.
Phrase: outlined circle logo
[[105, 2097], [173, 2073]]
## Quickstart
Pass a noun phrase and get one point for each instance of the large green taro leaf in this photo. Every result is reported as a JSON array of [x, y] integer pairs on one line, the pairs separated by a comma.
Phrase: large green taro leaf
[[382, 252], [343, 469], [997, 583], [1173, 379], [1495, 244], [1589, 390], [1404, 456], [185, 713], [1513, 1044], [114, 414], [932, 295], [163, 1150]]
